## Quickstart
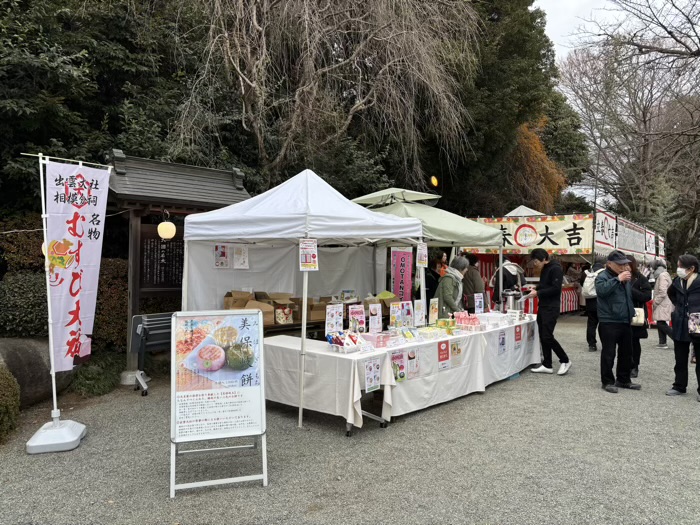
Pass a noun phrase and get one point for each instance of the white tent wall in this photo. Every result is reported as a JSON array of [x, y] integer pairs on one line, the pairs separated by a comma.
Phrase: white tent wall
[[276, 269]]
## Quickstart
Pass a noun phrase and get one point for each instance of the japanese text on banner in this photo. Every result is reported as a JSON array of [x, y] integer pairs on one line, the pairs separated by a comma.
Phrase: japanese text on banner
[[401, 273], [76, 200], [558, 234]]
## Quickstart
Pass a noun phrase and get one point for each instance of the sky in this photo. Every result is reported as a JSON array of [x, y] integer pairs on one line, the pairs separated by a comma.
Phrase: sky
[[564, 17]]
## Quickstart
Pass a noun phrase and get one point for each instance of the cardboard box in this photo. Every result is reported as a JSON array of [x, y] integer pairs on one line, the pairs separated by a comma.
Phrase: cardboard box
[[299, 300], [317, 312], [265, 296], [388, 302], [267, 311], [236, 300], [326, 299]]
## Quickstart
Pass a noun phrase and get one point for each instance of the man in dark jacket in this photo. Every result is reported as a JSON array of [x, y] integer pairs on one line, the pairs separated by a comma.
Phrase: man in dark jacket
[[549, 293], [615, 314]]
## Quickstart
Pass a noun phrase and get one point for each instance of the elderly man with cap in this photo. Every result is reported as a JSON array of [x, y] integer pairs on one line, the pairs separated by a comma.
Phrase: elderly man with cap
[[615, 314]]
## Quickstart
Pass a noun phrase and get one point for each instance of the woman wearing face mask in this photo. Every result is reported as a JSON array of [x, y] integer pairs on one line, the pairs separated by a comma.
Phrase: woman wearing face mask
[[685, 296]]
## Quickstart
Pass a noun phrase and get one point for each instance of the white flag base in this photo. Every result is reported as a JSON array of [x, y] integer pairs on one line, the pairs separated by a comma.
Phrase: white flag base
[[56, 436], [128, 378]]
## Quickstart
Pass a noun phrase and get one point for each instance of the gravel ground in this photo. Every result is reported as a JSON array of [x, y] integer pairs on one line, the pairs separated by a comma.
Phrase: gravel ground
[[535, 450]]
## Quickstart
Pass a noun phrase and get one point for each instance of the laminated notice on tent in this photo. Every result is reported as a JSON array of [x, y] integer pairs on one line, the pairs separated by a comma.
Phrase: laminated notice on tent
[[558, 234], [308, 255], [422, 255]]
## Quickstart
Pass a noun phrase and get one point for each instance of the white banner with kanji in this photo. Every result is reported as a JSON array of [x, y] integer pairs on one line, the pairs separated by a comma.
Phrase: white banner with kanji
[[650, 245], [558, 234], [631, 238], [605, 232], [76, 200]]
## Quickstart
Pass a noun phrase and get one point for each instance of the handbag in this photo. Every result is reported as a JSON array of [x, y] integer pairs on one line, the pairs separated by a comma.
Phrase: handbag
[[694, 324], [639, 318]]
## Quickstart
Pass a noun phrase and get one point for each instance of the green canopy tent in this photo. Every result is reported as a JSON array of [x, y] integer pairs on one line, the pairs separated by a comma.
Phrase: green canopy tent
[[391, 195], [440, 227]]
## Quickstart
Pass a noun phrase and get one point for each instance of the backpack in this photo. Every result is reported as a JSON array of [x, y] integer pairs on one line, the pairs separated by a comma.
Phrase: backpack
[[589, 284]]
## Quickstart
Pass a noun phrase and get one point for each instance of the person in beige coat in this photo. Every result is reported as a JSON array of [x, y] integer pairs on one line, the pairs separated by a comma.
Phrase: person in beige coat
[[663, 307]]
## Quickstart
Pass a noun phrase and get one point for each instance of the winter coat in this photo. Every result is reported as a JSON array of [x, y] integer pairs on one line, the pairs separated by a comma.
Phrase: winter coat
[[549, 289], [641, 295], [449, 293], [513, 278], [591, 302], [471, 284], [663, 307], [432, 278], [686, 300], [614, 299]]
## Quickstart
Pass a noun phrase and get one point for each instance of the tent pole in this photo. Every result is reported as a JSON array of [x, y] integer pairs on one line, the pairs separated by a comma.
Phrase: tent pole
[[500, 276], [302, 368], [423, 296]]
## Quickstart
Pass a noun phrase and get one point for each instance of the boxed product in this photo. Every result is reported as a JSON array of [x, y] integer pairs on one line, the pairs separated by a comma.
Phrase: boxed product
[[236, 299], [284, 315]]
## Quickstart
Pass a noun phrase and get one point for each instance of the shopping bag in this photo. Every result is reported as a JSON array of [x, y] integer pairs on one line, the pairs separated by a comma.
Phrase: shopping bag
[[694, 324], [639, 319]]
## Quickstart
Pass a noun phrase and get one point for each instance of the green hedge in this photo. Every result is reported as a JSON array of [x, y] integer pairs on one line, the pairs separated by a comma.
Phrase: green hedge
[[22, 250], [23, 310], [112, 310], [9, 403]]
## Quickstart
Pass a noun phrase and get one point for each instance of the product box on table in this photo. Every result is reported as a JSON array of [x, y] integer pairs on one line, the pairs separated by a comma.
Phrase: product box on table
[[236, 299]]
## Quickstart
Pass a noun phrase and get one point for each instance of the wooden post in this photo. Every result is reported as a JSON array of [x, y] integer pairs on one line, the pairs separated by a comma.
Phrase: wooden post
[[128, 376]]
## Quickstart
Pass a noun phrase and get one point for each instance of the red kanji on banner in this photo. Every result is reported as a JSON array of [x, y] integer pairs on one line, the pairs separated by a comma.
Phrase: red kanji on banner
[[76, 252], [73, 225], [74, 343], [77, 278], [75, 315]]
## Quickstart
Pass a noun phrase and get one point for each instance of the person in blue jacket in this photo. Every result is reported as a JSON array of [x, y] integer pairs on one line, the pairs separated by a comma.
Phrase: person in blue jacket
[[615, 314]]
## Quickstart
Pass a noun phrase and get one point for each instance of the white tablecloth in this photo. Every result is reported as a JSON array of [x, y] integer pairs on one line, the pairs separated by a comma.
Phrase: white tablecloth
[[334, 382]]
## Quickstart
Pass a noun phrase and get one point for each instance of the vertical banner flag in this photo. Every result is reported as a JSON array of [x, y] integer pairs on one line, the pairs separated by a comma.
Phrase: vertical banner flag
[[76, 200], [662, 248], [401, 273]]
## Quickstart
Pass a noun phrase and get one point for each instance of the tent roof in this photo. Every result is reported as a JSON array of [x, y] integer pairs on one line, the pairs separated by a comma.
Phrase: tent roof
[[390, 195], [442, 228], [523, 211], [303, 206]]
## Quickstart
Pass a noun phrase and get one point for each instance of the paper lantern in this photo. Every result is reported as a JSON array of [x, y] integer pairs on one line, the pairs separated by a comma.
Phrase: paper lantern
[[434, 181], [166, 230]]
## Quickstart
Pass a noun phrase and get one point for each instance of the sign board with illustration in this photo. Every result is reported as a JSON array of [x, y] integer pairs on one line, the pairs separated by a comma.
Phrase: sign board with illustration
[[218, 376]]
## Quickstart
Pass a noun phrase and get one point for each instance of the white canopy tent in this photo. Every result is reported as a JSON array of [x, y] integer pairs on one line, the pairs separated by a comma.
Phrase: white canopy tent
[[272, 225], [523, 211]]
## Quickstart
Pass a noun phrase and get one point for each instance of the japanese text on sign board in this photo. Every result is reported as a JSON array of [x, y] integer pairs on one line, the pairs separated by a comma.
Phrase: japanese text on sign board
[[558, 234]]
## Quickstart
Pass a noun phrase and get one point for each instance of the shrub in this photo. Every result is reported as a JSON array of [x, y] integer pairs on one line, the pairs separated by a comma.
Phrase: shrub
[[99, 375], [111, 315], [23, 310], [22, 251], [9, 403]]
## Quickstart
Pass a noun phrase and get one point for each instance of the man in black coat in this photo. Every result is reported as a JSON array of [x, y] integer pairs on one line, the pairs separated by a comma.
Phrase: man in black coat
[[549, 293]]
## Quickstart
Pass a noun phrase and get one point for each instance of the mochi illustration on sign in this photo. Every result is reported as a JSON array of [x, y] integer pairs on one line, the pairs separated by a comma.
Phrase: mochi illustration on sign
[[375, 318], [419, 312]]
